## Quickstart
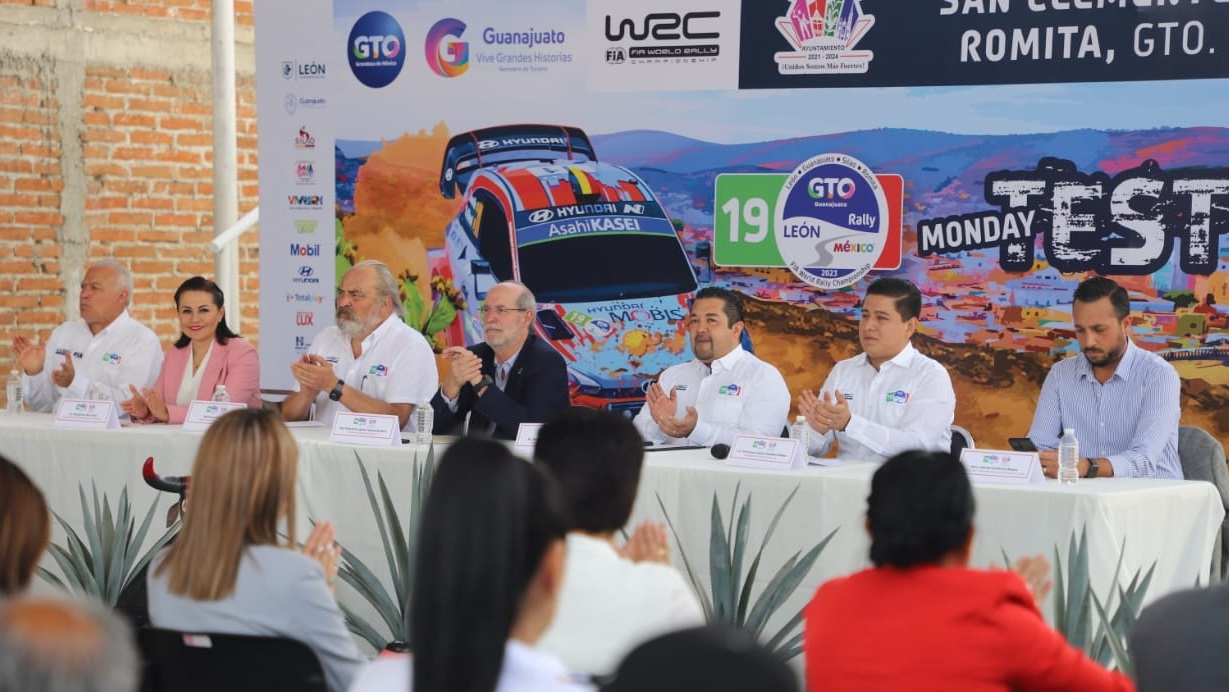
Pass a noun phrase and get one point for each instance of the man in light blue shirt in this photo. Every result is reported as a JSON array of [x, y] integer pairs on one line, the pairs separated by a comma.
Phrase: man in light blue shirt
[[1122, 401]]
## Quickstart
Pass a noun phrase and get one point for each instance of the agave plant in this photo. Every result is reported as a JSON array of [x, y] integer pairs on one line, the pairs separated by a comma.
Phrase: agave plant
[[730, 599], [1075, 601], [399, 548], [105, 562]]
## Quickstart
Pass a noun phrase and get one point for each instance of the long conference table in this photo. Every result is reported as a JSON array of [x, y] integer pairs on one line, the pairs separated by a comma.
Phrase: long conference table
[[1169, 525]]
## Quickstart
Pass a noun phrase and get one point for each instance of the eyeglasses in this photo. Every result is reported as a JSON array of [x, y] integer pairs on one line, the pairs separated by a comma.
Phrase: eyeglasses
[[500, 310]]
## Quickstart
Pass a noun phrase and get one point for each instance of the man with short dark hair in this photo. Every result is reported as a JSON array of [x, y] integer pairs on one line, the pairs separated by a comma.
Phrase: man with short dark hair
[[53, 645], [513, 377], [98, 355], [889, 398], [1122, 401], [725, 391], [612, 598], [371, 362]]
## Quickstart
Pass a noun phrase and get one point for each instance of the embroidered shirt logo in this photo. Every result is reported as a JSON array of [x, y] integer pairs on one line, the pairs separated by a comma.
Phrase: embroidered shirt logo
[[729, 390], [899, 396]]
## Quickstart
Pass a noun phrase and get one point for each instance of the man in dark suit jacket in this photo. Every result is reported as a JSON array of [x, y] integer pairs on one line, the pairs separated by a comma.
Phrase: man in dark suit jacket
[[512, 378]]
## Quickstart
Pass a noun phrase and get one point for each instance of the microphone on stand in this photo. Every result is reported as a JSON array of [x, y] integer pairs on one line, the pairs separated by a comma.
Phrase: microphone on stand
[[720, 451]]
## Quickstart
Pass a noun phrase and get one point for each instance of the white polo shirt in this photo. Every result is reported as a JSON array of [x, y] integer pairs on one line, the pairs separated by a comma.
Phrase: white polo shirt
[[396, 366], [739, 394], [123, 353], [908, 403]]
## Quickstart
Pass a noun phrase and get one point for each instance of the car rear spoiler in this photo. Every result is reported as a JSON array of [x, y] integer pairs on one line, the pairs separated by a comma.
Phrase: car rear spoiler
[[465, 151]]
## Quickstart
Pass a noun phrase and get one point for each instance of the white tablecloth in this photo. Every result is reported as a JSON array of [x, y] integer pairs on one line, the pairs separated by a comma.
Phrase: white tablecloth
[[1170, 523]]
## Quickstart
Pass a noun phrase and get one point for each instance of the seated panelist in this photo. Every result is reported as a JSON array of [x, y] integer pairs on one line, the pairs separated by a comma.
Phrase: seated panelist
[[370, 362], [207, 355], [96, 356]]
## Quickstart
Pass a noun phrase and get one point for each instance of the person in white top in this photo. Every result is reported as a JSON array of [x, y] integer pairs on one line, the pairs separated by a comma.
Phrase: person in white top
[[371, 362], [97, 356], [889, 398], [613, 597], [724, 392], [485, 582]]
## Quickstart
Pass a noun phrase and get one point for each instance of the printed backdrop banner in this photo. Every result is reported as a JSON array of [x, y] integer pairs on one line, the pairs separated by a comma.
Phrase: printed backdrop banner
[[600, 153], [861, 43]]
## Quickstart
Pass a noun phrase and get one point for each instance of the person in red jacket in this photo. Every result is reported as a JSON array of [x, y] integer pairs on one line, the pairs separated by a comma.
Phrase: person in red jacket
[[921, 619]]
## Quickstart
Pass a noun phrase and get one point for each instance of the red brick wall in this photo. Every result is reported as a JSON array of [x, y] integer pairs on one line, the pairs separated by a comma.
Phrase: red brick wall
[[144, 164]]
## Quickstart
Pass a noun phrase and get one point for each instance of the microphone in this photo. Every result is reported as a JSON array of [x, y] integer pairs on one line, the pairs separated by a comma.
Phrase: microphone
[[720, 451]]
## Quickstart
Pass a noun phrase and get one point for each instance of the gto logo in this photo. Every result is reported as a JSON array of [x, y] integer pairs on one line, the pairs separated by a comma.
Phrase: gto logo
[[663, 26], [541, 216], [305, 319]]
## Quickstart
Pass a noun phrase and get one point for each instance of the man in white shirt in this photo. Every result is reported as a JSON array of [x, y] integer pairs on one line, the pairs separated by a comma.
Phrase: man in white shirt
[[371, 362], [612, 598], [724, 392], [97, 356], [889, 398]]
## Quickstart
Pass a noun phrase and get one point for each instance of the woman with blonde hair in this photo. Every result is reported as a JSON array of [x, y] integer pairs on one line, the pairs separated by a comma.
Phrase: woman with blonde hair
[[25, 528], [228, 572]]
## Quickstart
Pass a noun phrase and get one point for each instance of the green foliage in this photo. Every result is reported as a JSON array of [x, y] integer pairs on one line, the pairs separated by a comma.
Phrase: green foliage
[[104, 563], [346, 252], [430, 319], [730, 599], [399, 548], [1075, 601]]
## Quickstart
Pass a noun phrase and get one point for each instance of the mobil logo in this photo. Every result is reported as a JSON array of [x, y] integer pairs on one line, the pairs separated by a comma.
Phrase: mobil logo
[[304, 250]]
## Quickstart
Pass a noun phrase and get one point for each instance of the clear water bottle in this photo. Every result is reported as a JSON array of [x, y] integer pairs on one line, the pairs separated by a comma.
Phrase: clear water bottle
[[1068, 458], [801, 431], [220, 394], [424, 422], [97, 392], [13, 392]]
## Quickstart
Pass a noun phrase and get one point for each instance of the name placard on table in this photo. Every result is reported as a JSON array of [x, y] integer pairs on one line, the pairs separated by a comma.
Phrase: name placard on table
[[202, 414], [999, 466], [85, 414], [372, 429], [527, 436], [753, 452]]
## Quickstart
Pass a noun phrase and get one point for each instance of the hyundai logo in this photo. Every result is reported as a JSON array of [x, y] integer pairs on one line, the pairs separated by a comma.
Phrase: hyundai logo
[[488, 144], [306, 271], [541, 216]]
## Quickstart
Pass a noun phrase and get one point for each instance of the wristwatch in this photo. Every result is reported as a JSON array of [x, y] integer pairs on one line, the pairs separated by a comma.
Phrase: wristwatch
[[485, 382], [335, 395], [1092, 468]]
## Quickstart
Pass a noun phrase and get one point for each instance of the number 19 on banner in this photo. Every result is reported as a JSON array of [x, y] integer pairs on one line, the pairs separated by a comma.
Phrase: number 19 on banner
[[746, 209]]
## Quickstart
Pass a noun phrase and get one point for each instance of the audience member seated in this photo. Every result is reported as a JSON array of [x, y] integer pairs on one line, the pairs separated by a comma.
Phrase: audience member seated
[[228, 572], [890, 398], [371, 362], [725, 391], [25, 529], [511, 378], [486, 580], [1179, 642], [612, 599], [51, 645], [208, 354], [920, 619], [97, 356], [715, 658], [1122, 401]]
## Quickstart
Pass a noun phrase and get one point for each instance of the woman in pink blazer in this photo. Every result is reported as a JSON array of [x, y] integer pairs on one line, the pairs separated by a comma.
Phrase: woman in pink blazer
[[207, 354]]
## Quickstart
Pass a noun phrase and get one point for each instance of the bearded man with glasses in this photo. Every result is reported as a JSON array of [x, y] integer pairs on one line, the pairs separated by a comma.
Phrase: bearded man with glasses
[[371, 362]]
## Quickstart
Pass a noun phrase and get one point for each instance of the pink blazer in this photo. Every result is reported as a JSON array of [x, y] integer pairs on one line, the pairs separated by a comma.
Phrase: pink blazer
[[235, 364]]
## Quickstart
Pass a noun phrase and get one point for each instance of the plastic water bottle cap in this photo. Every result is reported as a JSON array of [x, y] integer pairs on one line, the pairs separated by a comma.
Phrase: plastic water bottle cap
[[800, 419], [1068, 431]]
